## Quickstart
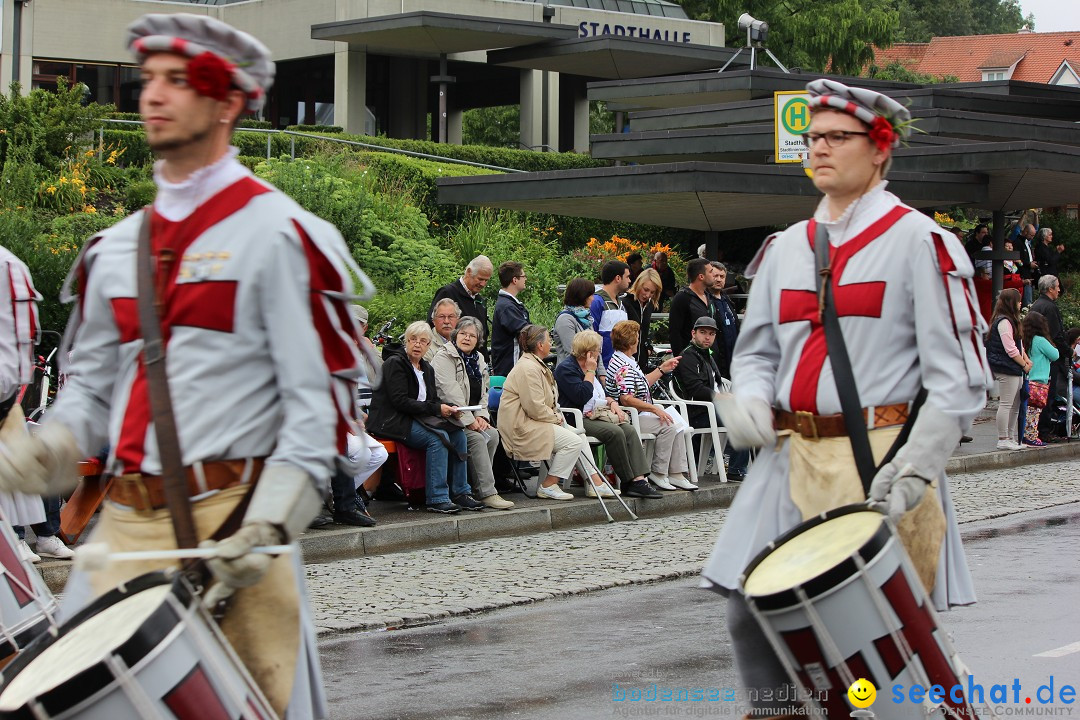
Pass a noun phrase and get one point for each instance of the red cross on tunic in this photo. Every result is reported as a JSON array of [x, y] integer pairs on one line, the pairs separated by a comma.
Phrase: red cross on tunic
[[852, 300]]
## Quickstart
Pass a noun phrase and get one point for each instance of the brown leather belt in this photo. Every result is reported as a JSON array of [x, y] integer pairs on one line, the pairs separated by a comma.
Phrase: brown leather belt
[[822, 426], [147, 492]]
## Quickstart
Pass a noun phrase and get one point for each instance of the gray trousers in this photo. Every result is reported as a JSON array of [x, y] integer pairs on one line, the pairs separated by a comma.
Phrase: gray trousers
[[623, 447], [769, 690], [482, 446]]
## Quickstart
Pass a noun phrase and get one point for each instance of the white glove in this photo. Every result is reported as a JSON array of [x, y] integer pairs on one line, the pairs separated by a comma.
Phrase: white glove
[[749, 421], [41, 464], [284, 503], [900, 484]]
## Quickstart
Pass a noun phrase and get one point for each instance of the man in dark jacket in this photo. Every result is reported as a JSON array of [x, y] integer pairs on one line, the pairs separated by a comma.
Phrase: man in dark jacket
[[727, 320], [509, 318], [691, 302], [697, 377], [1049, 290], [465, 291]]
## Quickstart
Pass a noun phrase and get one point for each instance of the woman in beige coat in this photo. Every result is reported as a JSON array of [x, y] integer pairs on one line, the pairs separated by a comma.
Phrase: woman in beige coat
[[531, 425], [461, 379]]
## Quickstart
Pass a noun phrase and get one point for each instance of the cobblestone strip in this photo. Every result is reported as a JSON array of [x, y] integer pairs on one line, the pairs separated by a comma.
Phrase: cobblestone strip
[[420, 586]]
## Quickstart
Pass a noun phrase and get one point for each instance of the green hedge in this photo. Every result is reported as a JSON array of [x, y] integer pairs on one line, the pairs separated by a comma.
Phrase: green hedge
[[244, 122], [329, 129]]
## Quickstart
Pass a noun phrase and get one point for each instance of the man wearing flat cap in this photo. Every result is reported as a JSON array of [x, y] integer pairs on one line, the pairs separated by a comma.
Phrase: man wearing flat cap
[[902, 290], [261, 356]]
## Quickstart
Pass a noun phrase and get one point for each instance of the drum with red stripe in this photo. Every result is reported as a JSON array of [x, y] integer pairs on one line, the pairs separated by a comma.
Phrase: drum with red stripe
[[27, 608], [839, 600], [145, 650]]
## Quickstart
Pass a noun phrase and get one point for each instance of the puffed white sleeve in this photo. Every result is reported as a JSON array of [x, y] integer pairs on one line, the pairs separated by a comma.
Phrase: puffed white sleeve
[[89, 355], [949, 328], [756, 357]]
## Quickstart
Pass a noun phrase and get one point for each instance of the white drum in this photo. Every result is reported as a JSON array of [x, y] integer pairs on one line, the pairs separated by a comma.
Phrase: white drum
[[145, 650], [839, 600], [27, 608]]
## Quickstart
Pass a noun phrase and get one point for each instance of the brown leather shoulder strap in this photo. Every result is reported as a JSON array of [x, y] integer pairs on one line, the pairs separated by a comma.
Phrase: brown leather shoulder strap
[[153, 357]]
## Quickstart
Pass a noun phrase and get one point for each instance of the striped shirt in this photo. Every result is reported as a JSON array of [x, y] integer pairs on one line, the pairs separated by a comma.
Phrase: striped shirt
[[624, 377]]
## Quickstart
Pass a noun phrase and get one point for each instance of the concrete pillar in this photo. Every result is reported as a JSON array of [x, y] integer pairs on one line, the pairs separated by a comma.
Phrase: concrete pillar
[[551, 113], [25, 45], [350, 88], [408, 105], [581, 123], [531, 109], [454, 119]]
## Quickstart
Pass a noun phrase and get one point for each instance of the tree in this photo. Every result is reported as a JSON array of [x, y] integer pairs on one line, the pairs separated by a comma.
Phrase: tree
[[898, 72], [497, 126], [818, 34]]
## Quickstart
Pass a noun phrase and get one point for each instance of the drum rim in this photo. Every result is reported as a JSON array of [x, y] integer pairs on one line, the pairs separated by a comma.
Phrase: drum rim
[[25, 638], [830, 578], [73, 691]]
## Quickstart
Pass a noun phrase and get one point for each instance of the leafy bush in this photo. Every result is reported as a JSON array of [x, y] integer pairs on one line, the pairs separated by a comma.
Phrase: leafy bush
[[325, 129], [1066, 232], [41, 126]]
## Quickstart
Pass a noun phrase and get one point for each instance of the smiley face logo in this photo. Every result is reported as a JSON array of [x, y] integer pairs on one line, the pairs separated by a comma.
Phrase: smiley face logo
[[862, 693]]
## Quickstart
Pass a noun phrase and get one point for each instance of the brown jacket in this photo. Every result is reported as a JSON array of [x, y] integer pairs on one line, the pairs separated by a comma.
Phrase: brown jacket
[[528, 410]]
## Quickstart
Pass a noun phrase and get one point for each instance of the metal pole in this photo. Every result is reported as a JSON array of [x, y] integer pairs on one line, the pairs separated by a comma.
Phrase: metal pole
[[997, 265], [442, 97], [292, 147], [268, 146]]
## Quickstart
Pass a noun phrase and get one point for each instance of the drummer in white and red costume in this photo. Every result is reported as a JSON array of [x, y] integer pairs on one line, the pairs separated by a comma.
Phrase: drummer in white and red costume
[[261, 350], [906, 304]]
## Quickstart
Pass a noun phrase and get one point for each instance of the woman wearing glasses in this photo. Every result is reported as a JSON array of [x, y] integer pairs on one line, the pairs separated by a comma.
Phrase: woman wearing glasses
[[461, 379], [406, 407]]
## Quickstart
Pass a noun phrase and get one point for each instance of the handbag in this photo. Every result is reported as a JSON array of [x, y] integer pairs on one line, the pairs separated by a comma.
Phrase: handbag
[[1038, 393], [604, 414], [921, 529]]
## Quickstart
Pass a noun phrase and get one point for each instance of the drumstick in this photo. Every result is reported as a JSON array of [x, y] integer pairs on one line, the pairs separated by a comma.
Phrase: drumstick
[[96, 556]]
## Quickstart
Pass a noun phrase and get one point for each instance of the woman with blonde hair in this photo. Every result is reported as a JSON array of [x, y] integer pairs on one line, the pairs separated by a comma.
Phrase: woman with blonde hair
[[1005, 353], [531, 424], [640, 301]]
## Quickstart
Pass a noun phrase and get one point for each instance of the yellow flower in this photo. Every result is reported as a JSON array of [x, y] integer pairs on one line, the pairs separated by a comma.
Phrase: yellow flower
[[89, 153], [90, 210]]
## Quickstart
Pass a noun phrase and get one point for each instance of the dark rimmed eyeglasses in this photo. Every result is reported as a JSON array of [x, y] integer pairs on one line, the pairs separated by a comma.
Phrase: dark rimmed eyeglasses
[[833, 138]]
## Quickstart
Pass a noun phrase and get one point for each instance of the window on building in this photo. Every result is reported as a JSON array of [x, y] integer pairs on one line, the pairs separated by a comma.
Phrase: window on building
[[1066, 76], [105, 83], [995, 75]]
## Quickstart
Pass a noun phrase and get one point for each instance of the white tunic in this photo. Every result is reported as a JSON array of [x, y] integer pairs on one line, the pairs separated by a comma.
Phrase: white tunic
[[906, 304], [19, 327]]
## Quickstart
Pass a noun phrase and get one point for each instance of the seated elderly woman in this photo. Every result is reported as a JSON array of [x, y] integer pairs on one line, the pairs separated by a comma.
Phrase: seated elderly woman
[[461, 379], [603, 418], [627, 382], [406, 407], [531, 425]]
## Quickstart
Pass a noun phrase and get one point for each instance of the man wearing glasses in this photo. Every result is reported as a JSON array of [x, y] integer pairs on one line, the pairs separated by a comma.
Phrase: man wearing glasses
[[903, 292], [510, 317]]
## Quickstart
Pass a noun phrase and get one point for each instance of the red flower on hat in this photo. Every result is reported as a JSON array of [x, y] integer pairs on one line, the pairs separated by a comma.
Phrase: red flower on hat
[[882, 133], [210, 76]]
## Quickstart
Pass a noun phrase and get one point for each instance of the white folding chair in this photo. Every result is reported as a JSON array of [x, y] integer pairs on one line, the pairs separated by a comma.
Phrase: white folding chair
[[713, 437], [648, 440]]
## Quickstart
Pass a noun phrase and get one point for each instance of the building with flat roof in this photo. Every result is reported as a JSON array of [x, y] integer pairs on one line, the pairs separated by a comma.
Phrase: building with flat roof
[[397, 67]]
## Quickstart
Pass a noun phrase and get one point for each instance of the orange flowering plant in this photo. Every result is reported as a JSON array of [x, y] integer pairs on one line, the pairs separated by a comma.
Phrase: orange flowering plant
[[597, 252]]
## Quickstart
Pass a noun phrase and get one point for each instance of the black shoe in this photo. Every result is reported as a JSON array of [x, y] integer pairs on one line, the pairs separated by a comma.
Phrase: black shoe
[[389, 492], [352, 517], [467, 502], [736, 476], [365, 496], [321, 520], [641, 489], [446, 508], [965, 439]]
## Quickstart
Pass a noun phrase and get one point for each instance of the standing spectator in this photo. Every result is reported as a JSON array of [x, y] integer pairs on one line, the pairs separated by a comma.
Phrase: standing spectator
[[509, 319], [465, 291], [726, 319], [667, 277], [602, 418], [461, 379], [573, 318], [627, 382], [977, 240], [1040, 348], [1046, 305], [635, 262], [1029, 266], [407, 408], [1046, 253], [690, 303], [531, 424], [1005, 353], [698, 378], [640, 301], [605, 308], [444, 318]]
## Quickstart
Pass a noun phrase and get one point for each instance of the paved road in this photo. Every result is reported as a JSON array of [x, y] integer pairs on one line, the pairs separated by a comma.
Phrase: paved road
[[416, 587], [570, 658]]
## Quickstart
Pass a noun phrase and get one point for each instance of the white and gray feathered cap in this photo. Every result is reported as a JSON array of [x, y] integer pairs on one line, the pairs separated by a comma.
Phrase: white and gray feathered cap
[[866, 105], [191, 35]]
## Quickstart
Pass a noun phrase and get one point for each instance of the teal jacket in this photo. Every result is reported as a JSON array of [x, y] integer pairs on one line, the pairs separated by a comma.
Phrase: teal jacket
[[1042, 354]]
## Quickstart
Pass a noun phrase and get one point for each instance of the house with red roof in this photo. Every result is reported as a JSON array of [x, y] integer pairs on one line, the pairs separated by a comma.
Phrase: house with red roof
[[1051, 58]]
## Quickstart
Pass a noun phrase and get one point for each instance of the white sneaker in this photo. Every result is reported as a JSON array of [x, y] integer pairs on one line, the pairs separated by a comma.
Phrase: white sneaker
[[592, 490], [54, 547], [1009, 445], [26, 553], [552, 493], [660, 481], [681, 482]]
